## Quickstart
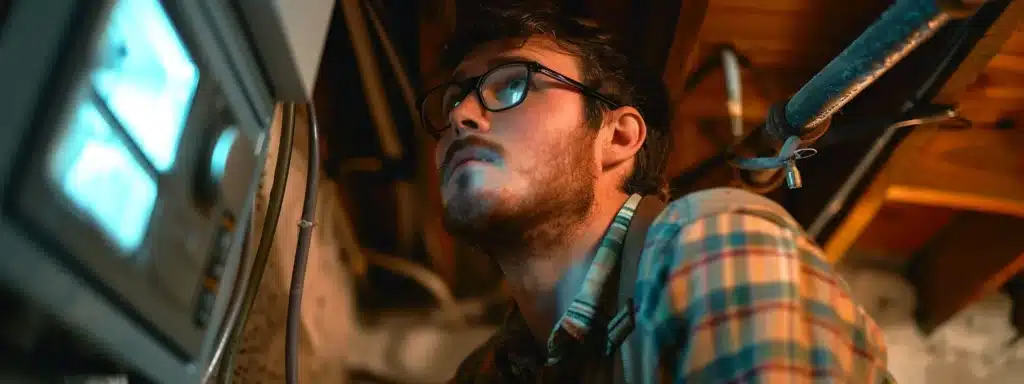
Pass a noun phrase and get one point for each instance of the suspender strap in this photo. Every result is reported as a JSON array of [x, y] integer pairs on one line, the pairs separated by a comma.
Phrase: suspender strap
[[646, 212]]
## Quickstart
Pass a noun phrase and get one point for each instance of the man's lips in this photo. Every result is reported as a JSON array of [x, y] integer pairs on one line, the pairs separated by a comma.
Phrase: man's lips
[[466, 156]]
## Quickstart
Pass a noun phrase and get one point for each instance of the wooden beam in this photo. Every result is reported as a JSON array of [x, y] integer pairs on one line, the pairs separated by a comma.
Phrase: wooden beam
[[436, 21], [960, 267], [887, 97], [681, 53], [654, 27], [973, 170], [976, 170], [680, 58], [858, 220], [983, 52]]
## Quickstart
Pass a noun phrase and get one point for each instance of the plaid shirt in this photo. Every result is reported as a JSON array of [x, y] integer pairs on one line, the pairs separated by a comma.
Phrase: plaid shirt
[[738, 295]]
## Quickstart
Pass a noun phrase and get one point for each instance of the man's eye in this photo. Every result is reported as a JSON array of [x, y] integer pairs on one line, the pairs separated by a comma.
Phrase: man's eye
[[517, 84], [513, 90]]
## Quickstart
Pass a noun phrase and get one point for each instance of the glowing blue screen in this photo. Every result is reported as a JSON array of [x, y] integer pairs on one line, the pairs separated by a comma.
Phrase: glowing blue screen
[[94, 168], [146, 77]]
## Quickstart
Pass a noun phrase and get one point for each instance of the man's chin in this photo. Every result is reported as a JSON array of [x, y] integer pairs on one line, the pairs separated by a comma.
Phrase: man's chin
[[469, 208]]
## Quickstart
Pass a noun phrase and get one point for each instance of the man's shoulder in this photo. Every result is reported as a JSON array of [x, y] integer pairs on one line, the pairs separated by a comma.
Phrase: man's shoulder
[[723, 260], [707, 203], [717, 228]]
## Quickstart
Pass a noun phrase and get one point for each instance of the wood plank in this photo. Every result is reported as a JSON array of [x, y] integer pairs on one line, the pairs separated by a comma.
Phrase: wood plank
[[436, 21], [794, 29], [982, 53], [956, 270], [684, 43], [951, 91], [692, 146], [1006, 61], [975, 169], [998, 92], [761, 5], [801, 6], [1015, 45], [901, 230], [859, 218], [653, 28]]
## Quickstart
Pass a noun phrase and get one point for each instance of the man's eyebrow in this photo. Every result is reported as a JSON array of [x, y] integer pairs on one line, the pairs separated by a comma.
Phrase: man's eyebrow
[[493, 62]]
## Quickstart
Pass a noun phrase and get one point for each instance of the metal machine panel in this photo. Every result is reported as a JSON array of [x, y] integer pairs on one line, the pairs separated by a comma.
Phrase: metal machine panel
[[133, 135]]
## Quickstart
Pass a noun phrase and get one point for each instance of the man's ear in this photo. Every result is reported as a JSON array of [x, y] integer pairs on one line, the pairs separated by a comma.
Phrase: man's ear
[[624, 133]]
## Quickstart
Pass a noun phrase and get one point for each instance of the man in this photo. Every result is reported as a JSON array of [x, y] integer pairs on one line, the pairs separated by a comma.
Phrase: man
[[546, 144]]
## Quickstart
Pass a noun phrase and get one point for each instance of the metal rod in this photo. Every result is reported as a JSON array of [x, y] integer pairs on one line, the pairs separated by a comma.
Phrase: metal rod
[[900, 29], [843, 194]]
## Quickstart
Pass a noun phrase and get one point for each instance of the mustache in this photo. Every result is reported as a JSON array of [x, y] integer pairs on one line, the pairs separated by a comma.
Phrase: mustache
[[470, 141]]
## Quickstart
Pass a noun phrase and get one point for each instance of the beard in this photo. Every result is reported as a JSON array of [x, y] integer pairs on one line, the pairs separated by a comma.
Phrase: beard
[[560, 197]]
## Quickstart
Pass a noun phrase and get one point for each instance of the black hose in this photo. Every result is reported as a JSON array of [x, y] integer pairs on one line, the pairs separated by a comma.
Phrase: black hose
[[302, 251], [277, 189]]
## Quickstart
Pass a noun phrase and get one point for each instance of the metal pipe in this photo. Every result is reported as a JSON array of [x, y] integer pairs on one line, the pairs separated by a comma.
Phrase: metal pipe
[[734, 91], [901, 29]]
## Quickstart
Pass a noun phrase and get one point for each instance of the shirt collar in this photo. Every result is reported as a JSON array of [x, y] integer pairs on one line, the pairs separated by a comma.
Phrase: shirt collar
[[582, 313]]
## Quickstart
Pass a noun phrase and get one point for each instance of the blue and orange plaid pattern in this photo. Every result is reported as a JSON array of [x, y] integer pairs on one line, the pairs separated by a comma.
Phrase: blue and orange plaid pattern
[[733, 297]]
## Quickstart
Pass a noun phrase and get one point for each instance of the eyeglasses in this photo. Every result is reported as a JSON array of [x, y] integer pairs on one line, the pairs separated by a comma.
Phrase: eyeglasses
[[502, 88]]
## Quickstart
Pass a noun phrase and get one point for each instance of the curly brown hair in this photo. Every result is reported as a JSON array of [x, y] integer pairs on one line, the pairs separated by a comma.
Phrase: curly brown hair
[[603, 65]]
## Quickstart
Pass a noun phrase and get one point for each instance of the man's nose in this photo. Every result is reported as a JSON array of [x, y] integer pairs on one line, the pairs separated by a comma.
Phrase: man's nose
[[469, 115]]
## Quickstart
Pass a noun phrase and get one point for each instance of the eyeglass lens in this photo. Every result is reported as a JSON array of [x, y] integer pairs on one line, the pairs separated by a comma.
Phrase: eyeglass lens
[[501, 88]]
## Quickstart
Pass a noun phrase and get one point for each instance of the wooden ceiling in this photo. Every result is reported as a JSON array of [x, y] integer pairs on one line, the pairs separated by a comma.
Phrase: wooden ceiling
[[786, 42]]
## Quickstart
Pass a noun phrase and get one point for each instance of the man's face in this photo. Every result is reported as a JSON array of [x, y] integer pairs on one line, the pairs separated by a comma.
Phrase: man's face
[[507, 173]]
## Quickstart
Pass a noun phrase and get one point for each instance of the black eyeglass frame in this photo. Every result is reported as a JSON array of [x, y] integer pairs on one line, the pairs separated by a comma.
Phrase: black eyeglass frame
[[532, 67]]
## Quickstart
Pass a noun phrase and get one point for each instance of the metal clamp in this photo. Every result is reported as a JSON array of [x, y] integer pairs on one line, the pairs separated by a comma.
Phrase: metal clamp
[[787, 157]]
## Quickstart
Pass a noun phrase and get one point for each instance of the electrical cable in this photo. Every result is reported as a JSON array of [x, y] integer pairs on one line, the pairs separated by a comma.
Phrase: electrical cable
[[275, 202], [246, 266], [302, 250]]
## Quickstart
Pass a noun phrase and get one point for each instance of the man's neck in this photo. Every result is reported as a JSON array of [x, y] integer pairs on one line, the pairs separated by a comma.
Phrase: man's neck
[[545, 282]]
